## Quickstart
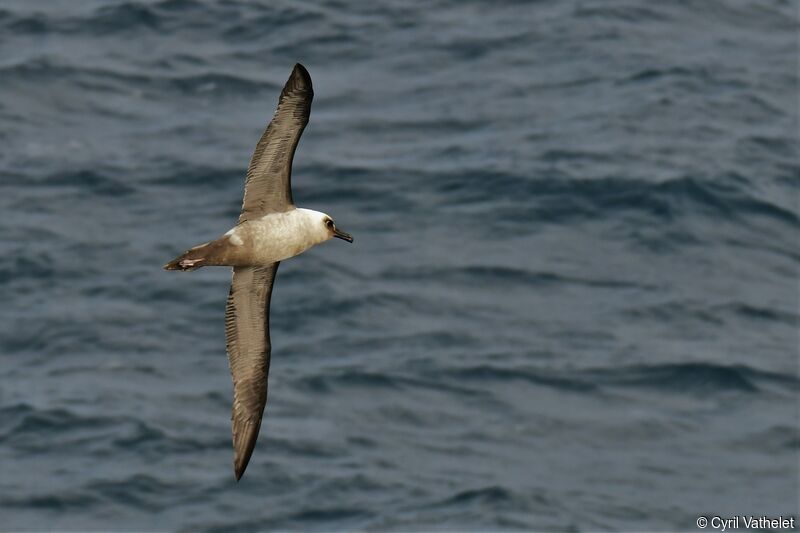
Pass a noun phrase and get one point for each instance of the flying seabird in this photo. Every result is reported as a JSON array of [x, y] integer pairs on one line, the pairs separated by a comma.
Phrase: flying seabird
[[270, 229]]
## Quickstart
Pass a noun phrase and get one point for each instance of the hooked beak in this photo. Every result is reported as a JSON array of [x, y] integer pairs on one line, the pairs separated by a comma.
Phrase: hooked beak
[[342, 235]]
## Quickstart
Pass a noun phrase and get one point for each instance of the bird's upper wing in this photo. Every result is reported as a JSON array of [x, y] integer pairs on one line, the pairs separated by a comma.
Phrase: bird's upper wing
[[268, 188], [247, 332]]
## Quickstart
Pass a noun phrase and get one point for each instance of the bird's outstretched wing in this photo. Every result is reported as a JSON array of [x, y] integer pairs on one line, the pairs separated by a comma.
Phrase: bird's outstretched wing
[[247, 333], [268, 188]]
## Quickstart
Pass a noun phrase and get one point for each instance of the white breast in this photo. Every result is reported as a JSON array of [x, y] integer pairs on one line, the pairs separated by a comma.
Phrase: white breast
[[279, 236]]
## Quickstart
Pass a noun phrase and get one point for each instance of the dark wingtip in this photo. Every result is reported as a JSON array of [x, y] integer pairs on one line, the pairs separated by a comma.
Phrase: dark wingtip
[[301, 76], [240, 465], [245, 434], [300, 70]]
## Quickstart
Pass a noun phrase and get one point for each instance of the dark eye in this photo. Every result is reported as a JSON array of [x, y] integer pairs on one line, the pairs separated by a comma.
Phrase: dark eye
[[329, 224]]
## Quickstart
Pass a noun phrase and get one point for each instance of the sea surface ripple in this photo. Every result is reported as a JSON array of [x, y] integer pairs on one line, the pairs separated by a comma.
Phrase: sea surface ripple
[[571, 305]]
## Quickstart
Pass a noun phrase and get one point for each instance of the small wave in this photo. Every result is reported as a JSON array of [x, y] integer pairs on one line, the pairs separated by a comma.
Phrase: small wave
[[564, 200], [363, 442], [309, 516], [671, 197], [104, 20], [25, 419], [200, 177], [180, 6], [87, 180], [122, 17], [677, 312], [282, 17], [32, 24], [51, 502], [219, 83], [329, 514], [385, 304], [493, 495], [142, 18], [633, 14], [138, 491], [349, 379], [26, 265], [36, 430], [33, 431], [477, 45], [536, 377], [699, 378], [356, 185], [45, 70], [143, 369], [385, 301], [780, 146], [762, 313], [297, 447], [775, 440], [697, 78], [557, 155], [480, 274], [655, 73]]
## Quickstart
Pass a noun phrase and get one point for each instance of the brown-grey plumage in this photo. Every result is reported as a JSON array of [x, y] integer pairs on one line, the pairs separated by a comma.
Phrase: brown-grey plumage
[[270, 229], [268, 187], [247, 334]]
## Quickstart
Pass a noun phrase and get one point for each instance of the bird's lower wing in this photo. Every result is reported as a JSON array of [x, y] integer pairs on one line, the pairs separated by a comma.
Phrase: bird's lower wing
[[247, 333]]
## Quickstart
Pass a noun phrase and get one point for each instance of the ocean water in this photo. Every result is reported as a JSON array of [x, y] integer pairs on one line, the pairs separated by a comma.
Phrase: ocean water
[[571, 304]]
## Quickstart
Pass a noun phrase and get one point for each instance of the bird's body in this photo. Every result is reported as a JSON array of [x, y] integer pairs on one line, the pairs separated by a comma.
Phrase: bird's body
[[259, 241], [270, 229]]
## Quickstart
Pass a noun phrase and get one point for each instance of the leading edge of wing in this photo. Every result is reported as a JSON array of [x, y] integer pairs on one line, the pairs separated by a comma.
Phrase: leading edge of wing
[[268, 187]]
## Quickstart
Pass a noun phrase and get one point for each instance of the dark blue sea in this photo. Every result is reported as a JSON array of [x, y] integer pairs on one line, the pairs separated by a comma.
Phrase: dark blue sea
[[571, 304]]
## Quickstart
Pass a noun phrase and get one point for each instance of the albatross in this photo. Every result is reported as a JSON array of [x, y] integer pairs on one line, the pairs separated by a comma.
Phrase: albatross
[[270, 229]]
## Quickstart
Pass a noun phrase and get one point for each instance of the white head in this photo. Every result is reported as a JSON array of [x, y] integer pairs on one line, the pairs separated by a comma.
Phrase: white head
[[322, 226]]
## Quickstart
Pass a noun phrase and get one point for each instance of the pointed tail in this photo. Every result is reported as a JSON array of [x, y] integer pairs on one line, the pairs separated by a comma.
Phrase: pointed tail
[[189, 260]]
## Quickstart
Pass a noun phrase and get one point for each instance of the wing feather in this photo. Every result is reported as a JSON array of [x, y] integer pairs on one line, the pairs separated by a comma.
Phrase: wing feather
[[268, 188], [247, 334]]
